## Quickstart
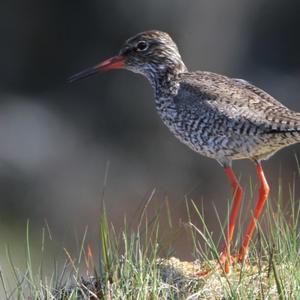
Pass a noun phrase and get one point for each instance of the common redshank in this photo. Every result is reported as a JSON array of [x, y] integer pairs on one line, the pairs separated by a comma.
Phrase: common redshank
[[219, 117]]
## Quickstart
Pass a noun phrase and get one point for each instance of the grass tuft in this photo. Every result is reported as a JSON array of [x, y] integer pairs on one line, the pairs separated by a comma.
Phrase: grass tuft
[[138, 263]]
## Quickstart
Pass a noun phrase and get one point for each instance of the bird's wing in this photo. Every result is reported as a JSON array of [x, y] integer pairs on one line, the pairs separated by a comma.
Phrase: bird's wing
[[237, 99]]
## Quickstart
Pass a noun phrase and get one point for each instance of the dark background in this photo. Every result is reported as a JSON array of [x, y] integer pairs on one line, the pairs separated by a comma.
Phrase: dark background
[[56, 139]]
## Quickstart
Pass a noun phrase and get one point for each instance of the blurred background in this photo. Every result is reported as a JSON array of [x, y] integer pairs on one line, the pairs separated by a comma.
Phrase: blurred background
[[57, 140]]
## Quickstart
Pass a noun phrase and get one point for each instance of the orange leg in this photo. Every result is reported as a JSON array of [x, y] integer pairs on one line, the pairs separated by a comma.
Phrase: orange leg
[[263, 196], [238, 193], [225, 258]]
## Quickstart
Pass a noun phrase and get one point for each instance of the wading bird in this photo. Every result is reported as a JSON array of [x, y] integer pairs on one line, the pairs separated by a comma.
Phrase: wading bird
[[216, 116]]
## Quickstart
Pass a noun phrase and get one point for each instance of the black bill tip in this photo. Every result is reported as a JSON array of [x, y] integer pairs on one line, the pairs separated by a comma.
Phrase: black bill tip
[[83, 74]]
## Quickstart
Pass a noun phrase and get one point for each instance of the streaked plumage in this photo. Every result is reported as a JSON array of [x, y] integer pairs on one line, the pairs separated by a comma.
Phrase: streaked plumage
[[217, 116]]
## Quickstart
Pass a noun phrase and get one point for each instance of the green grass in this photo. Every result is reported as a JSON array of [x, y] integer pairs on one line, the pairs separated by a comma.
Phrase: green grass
[[137, 264]]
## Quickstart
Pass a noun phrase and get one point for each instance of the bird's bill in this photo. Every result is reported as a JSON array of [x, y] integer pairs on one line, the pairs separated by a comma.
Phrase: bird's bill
[[116, 62]]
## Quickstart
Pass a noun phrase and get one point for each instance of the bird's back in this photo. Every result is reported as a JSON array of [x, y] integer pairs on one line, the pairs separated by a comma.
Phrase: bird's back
[[238, 99]]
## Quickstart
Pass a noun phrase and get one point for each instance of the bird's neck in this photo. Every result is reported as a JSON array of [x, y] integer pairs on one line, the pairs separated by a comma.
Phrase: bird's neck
[[165, 80]]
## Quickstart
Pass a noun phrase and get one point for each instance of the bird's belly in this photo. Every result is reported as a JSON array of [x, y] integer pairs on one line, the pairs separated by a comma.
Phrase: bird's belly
[[205, 140], [221, 141], [229, 145], [223, 138]]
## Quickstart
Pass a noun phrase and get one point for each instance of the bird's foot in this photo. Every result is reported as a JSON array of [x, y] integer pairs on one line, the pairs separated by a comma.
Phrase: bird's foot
[[227, 261], [224, 264]]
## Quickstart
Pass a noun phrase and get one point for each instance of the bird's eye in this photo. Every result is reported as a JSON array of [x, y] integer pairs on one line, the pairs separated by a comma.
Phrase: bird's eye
[[141, 46]]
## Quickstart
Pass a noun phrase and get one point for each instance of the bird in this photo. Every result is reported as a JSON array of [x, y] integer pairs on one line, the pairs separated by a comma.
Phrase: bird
[[219, 117]]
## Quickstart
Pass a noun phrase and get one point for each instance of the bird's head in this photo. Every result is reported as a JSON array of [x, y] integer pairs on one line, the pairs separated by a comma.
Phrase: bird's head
[[148, 53]]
